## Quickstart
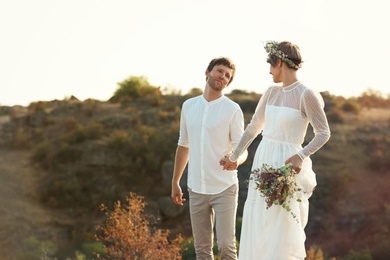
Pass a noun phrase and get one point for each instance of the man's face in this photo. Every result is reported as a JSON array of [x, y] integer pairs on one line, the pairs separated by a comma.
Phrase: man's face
[[218, 78]]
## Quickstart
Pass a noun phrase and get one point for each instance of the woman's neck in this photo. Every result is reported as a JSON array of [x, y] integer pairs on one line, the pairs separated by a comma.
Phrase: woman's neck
[[289, 78]]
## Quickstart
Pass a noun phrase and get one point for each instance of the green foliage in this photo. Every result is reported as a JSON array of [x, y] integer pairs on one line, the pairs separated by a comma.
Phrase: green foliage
[[33, 248], [40, 153], [189, 249], [133, 88], [119, 140], [91, 249], [358, 255], [81, 133], [66, 154], [238, 227]]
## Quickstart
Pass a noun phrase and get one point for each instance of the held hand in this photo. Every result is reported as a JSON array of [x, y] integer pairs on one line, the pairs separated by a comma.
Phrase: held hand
[[296, 162], [177, 195], [227, 164]]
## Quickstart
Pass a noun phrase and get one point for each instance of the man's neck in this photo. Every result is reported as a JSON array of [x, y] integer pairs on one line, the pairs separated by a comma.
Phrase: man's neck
[[210, 94]]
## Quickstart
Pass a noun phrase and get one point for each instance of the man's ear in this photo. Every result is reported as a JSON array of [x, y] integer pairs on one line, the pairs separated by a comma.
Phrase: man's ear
[[207, 73]]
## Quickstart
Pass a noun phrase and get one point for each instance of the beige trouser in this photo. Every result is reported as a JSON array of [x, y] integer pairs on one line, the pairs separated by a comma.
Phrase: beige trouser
[[222, 208]]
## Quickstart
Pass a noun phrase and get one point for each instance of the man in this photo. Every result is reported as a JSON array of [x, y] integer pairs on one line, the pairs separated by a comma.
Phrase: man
[[211, 125]]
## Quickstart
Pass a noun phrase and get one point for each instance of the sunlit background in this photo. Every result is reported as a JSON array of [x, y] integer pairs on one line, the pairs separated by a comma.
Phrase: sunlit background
[[52, 49]]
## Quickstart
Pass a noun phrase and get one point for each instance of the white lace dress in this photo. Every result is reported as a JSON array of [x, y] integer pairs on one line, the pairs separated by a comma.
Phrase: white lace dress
[[283, 114]]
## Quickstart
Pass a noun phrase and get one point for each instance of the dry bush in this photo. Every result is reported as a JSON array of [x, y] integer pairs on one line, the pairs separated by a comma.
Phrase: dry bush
[[128, 235], [314, 253], [82, 133], [351, 105], [36, 107], [335, 115]]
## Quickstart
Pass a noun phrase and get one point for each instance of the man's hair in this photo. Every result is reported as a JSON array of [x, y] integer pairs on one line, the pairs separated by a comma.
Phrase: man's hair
[[286, 51], [223, 61]]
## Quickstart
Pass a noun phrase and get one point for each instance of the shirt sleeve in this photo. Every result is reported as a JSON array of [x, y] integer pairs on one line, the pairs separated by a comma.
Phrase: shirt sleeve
[[183, 134], [236, 127], [253, 129], [312, 106]]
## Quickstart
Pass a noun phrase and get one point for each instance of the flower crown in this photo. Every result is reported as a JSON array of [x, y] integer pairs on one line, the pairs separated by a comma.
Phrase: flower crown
[[272, 47]]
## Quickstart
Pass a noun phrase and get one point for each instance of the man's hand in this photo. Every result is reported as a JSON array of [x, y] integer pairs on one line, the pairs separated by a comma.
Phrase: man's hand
[[177, 195], [227, 164]]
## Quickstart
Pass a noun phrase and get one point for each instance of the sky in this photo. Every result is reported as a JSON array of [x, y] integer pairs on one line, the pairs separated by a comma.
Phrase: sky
[[53, 49]]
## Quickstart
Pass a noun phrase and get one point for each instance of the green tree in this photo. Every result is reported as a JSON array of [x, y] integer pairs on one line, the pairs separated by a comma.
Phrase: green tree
[[133, 88]]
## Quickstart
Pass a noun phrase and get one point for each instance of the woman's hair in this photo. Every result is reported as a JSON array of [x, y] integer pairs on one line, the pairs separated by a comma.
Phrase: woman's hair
[[288, 52], [223, 61]]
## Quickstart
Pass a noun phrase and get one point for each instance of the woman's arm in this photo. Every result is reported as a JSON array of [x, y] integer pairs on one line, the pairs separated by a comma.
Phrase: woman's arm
[[312, 106]]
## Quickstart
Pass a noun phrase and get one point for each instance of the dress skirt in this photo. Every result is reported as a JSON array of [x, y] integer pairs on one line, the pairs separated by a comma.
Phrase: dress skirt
[[273, 233]]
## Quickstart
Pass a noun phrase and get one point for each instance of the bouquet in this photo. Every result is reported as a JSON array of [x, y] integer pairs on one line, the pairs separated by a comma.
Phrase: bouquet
[[278, 186]]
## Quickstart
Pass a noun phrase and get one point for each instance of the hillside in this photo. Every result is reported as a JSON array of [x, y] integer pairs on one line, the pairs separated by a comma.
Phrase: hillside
[[60, 160], [352, 172]]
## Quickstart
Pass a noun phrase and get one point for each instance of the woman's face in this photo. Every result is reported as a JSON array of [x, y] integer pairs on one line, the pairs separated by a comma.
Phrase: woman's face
[[275, 71]]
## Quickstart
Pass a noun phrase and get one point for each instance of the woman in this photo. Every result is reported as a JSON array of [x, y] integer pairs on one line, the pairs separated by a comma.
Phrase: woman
[[282, 114]]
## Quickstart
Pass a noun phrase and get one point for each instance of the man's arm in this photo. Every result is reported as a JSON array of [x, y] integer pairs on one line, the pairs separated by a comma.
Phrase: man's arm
[[181, 159]]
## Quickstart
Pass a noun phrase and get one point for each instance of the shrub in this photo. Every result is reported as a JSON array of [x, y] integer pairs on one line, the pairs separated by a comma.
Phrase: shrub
[[335, 115], [351, 105], [128, 235], [361, 255], [40, 152], [193, 92], [91, 131], [36, 107], [119, 140], [133, 88]]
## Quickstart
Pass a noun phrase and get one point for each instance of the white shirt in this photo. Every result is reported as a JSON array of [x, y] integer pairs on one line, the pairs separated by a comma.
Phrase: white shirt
[[210, 130]]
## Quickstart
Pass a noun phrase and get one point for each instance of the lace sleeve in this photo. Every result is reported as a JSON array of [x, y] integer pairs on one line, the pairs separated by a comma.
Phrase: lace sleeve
[[312, 106], [253, 129]]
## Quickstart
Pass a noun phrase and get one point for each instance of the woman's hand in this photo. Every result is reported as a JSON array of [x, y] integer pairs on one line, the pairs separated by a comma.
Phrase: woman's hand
[[227, 164], [296, 162]]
